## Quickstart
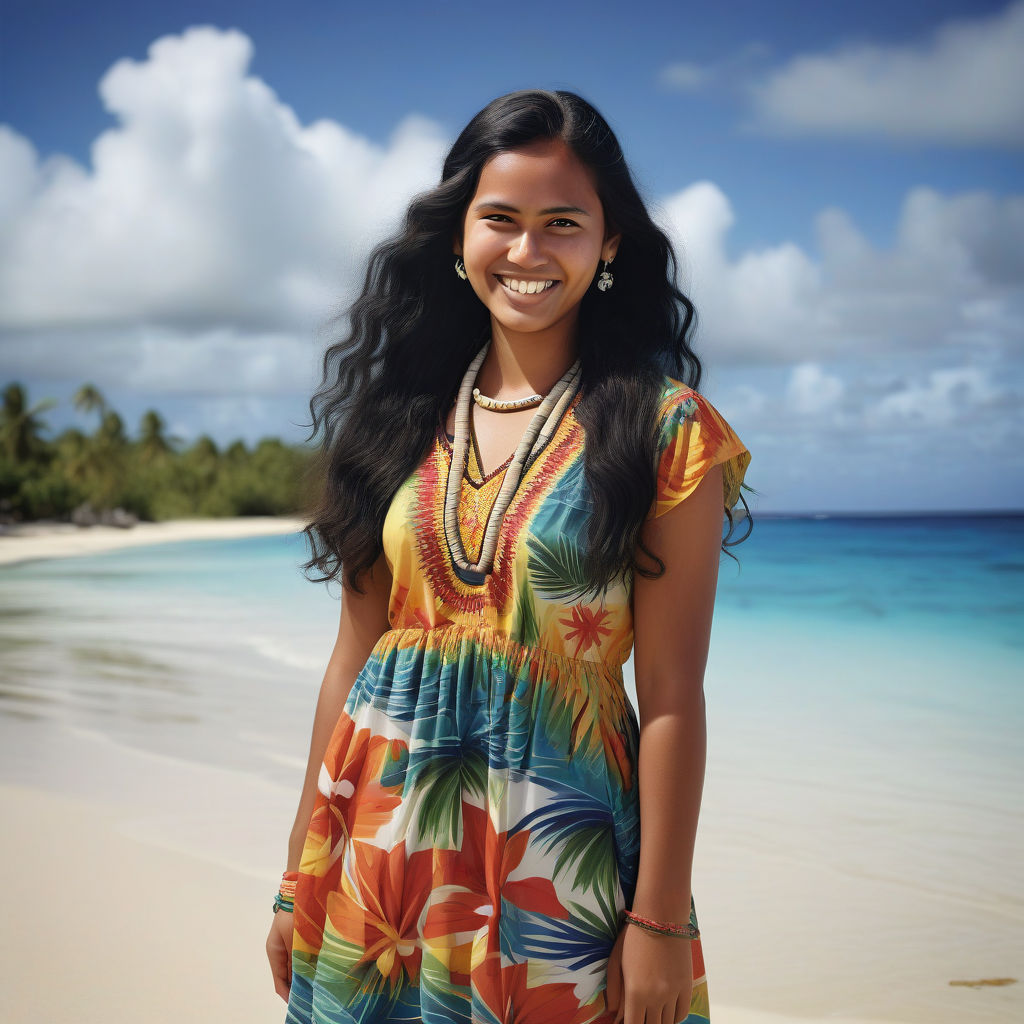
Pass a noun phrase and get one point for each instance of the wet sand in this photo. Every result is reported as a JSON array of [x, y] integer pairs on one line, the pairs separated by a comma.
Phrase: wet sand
[[26, 542]]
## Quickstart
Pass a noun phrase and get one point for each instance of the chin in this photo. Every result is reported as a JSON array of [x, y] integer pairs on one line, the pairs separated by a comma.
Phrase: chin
[[525, 324]]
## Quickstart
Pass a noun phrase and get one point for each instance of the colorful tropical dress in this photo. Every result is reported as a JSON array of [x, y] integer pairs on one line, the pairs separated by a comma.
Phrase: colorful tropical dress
[[476, 830]]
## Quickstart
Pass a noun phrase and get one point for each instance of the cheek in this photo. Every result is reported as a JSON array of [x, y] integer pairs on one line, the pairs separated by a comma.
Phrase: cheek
[[482, 248], [581, 251]]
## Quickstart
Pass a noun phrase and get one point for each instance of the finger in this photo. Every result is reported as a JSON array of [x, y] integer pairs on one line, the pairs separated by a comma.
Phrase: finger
[[613, 986], [281, 986], [279, 969], [286, 964], [635, 1009], [682, 1010], [281, 989]]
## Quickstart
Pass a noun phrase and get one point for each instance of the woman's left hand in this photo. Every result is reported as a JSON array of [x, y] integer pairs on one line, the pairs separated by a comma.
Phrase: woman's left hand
[[650, 977]]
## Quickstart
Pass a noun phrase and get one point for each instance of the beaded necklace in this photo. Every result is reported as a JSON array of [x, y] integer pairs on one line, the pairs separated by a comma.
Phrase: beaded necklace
[[537, 435]]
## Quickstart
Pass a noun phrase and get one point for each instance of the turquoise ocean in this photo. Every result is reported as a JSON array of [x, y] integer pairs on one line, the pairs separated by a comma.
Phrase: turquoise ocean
[[865, 697], [160, 644]]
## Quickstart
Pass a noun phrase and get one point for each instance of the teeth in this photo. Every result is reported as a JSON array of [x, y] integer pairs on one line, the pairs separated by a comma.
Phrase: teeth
[[525, 287]]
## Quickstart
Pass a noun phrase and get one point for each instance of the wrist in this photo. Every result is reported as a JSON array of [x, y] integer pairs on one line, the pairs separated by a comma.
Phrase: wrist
[[285, 898], [664, 906], [675, 929]]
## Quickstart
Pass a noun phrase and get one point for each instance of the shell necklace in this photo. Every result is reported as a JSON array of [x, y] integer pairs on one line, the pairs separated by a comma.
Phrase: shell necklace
[[506, 405], [537, 435]]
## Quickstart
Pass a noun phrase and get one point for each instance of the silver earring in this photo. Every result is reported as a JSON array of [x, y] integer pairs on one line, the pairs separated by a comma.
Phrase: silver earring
[[605, 281], [460, 268]]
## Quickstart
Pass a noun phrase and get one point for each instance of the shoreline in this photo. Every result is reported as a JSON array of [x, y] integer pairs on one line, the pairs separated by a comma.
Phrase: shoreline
[[31, 542], [149, 902], [858, 807]]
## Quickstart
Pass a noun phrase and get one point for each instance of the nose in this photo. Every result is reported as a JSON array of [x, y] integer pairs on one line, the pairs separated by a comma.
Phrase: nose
[[525, 251]]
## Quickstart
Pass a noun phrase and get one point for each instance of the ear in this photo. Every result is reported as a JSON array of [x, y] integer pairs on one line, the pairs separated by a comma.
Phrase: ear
[[457, 245], [610, 247]]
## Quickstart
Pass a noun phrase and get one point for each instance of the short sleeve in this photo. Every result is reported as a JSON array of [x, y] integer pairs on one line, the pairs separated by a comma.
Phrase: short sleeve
[[694, 438]]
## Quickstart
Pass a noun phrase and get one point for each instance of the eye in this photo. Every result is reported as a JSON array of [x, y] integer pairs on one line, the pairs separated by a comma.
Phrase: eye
[[497, 217], [564, 222]]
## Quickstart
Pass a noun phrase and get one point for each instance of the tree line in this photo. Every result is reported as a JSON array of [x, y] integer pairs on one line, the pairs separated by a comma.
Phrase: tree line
[[105, 475]]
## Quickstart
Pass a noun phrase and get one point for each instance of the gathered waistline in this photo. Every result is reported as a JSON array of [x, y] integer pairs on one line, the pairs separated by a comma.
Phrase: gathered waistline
[[451, 636]]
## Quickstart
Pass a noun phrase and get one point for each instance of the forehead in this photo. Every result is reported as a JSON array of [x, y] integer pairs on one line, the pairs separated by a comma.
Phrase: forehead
[[542, 174]]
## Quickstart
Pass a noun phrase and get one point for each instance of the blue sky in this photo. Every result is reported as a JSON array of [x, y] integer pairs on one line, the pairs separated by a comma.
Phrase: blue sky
[[844, 182]]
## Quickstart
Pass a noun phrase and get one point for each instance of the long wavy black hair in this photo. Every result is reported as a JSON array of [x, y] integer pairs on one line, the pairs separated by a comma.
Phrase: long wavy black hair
[[415, 328]]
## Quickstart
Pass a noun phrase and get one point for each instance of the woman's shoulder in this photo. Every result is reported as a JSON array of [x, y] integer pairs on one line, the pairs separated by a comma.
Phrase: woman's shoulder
[[679, 401], [694, 437]]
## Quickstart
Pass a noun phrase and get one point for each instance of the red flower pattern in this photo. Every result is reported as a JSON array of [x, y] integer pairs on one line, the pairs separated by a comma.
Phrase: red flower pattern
[[379, 907], [586, 627]]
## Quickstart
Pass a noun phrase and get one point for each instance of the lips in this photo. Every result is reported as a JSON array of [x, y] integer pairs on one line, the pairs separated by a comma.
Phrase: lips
[[522, 286]]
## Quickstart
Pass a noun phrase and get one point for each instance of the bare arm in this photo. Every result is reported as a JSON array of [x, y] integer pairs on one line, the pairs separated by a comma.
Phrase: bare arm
[[672, 626], [364, 618], [672, 617]]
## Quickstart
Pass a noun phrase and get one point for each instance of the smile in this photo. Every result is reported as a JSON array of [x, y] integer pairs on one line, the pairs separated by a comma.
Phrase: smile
[[521, 287]]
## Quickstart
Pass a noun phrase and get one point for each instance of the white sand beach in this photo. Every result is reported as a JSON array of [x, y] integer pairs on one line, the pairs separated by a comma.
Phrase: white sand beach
[[26, 542], [856, 862], [145, 932]]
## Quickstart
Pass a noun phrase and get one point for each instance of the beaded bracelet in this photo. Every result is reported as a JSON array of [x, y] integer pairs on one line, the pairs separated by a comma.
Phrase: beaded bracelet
[[683, 931], [285, 898]]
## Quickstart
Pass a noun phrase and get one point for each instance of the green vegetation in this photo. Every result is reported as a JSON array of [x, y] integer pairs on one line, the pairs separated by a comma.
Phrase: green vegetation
[[87, 476]]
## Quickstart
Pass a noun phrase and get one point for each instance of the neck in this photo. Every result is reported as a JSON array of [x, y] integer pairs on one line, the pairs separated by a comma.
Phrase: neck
[[523, 364]]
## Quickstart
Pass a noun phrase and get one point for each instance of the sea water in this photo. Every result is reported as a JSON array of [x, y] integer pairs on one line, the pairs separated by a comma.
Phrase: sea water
[[884, 624], [861, 817]]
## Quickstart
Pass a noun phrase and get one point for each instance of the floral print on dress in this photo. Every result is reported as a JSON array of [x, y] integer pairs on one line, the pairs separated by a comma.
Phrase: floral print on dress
[[475, 833]]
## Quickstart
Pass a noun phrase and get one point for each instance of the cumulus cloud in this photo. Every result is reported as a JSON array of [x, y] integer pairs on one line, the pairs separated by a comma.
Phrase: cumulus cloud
[[684, 76], [689, 76], [209, 204], [964, 85], [212, 225], [811, 390], [953, 281], [943, 395], [212, 231]]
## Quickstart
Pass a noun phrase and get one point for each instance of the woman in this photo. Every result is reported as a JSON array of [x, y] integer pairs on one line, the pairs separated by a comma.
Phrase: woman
[[510, 430]]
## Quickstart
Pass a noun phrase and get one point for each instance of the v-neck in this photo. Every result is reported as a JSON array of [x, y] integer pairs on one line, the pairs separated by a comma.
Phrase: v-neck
[[483, 477], [474, 481], [448, 440]]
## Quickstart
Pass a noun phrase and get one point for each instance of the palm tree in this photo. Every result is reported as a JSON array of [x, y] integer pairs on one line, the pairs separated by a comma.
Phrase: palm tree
[[74, 454], [204, 449], [153, 442], [112, 428], [236, 451], [20, 426], [88, 398]]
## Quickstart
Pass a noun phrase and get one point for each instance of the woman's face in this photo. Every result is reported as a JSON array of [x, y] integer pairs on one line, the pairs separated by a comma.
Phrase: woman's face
[[533, 237]]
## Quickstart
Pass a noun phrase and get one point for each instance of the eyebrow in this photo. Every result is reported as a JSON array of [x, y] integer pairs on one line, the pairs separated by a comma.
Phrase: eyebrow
[[511, 209]]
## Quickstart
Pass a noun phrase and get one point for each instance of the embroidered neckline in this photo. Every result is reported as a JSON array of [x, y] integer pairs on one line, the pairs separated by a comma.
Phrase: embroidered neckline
[[446, 439], [565, 445], [473, 481]]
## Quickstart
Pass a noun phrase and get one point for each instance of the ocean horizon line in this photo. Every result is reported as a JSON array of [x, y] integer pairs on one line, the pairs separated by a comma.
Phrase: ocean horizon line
[[1010, 513], [739, 514]]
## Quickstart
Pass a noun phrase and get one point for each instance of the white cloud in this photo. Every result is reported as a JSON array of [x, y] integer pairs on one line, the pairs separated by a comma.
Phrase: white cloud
[[683, 76], [917, 438], [213, 231], [811, 390], [726, 72], [962, 86], [942, 396], [208, 205], [953, 281]]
